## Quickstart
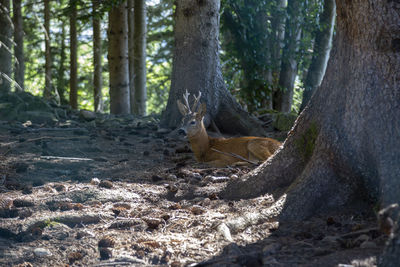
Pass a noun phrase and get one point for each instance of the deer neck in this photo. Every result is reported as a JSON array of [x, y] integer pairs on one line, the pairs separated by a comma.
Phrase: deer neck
[[200, 143]]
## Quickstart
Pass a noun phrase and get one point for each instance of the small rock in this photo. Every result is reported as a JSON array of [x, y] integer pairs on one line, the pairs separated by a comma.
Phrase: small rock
[[95, 181], [87, 115], [361, 239], [60, 187], [106, 242], [152, 223], [27, 189], [105, 253], [368, 244], [25, 214], [175, 206], [19, 203], [106, 184], [42, 252], [74, 256], [197, 210]]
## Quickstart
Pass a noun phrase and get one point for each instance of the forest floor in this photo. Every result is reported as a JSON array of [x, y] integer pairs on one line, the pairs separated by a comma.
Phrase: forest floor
[[120, 191]]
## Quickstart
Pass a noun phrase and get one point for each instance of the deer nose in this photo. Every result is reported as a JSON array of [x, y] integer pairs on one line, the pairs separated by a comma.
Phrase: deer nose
[[181, 132]]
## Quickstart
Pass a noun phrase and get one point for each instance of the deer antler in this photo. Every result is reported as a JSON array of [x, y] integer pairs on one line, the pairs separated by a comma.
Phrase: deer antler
[[186, 100], [196, 102]]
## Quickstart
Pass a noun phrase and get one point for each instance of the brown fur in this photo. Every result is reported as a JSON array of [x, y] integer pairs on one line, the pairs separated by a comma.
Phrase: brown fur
[[249, 147]]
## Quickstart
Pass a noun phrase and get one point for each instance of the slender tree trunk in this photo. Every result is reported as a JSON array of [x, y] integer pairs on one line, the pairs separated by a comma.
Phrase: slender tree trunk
[[118, 60], [5, 48], [322, 48], [131, 42], [48, 90], [343, 150], [139, 61], [277, 39], [284, 96], [19, 66], [97, 62], [73, 80], [61, 68], [196, 67]]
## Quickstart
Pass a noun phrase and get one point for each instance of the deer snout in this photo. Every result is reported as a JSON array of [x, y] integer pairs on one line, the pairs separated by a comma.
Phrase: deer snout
[[181, 131]]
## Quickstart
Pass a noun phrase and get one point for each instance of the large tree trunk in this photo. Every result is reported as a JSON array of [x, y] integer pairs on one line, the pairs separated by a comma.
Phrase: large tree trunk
[[118, 60], [139, 60], [48, 91], [5, 48], [97, 62], [19, 66], [196, 67], [322, 48], [73, 80], [283, 97], [131, 41], [343, 149]]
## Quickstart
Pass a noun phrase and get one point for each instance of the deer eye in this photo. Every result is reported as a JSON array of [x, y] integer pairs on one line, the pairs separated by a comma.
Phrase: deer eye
[[192, 122]]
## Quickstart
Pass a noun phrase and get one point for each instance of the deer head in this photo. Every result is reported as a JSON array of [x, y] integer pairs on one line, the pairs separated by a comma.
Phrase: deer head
[[192, 121]]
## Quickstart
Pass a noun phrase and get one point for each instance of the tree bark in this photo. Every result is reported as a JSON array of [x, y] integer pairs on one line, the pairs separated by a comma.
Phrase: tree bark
[[196, 67], [283, 97], [19, 65], [343, 150], [139, 60], [73, 79], [5, 47], [322, 48], [61, 87], [97, 62], [48, 90], [131, 41], [118, 60]]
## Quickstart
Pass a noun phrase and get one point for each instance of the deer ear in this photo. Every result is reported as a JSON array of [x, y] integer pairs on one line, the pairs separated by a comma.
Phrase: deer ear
[[201, 111], [182, 108]]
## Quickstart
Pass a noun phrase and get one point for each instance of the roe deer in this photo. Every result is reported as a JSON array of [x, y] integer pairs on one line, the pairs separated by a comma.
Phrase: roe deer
[[220, 152]]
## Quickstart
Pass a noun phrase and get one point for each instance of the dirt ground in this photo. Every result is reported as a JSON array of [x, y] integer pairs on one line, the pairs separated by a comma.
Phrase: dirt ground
[[120, 191]]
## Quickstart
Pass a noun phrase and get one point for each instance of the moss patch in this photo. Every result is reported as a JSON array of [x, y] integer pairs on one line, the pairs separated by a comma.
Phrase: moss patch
[[306, 143]]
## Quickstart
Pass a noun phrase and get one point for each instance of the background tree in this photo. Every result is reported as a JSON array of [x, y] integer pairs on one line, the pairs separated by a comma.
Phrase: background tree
[[340, 152], [97, 58], [19, 64], [5, 48], [284, 94], [322, 48], [131, 56], [73, 42], [196, 67], [139, 59], [118, 59], [48, 91]]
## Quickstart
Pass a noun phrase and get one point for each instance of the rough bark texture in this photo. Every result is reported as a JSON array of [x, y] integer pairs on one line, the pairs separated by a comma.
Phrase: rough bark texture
[[61, 81], [5, 46], [48, 91], [131, 28], [196, 67], [73, 80], [283, 98], [19, 65], [97, 62], [343, 150], [139, 60], [322, 48], [118, 60]]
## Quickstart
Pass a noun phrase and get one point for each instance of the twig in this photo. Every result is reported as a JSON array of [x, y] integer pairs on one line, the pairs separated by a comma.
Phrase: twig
[[65, 158], [234, 155], [56, 129]]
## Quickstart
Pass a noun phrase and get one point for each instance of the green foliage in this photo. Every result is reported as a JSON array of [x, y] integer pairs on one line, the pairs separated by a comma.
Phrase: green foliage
[[159, 54], [252, 49]]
